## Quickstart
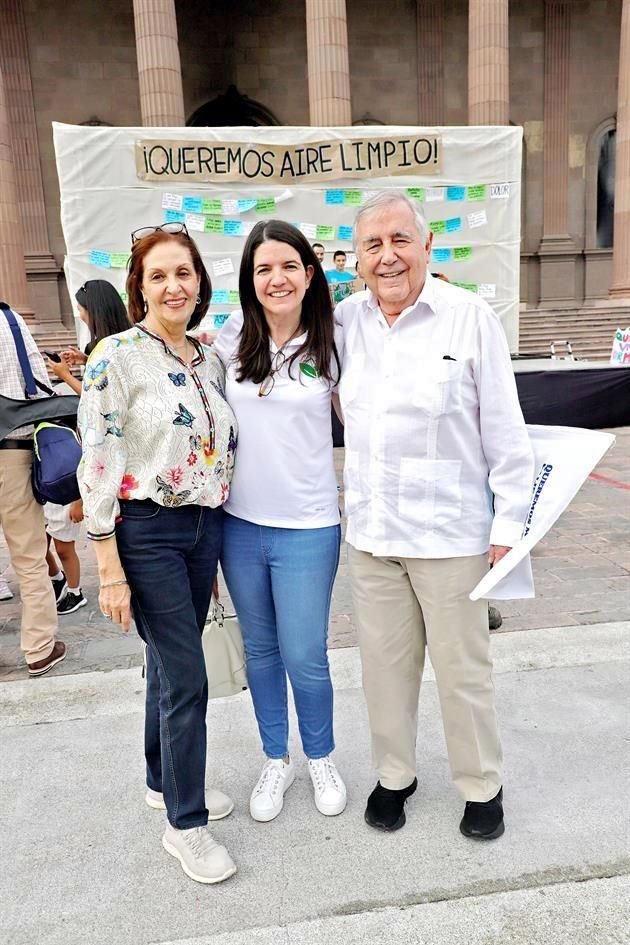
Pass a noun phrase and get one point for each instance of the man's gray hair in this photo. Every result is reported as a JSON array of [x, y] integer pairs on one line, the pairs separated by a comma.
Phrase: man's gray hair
[[386, 198]]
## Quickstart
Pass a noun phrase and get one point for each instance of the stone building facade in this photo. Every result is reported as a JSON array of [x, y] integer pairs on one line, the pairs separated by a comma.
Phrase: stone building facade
[[552, 66]]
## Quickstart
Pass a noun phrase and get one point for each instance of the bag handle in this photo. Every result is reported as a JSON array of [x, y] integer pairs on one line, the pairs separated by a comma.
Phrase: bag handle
[[31, 384]]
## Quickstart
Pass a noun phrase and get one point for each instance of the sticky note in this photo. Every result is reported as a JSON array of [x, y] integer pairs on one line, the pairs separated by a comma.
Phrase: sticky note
[[265, 205], [477, 192], [192, 205], [499, 191], [219, 319], [334, 196], [325, 232], [100, 258], [417, 193], [211, 205], [344, 233], [119, 260], [233, 297], [309, 230], [438, 226], [194, 221], [233, 227], [172, 201], [434, 194], [213, 225], [229, 206], [455, 193], [487, 290], [246, 204], [223, 267], [477, 218], [462, 252], [174, 216], [285, 195], [453, 224], [123, 296], [441, 254], [352, 197], [220, 297], [247, 226], [470, 286]]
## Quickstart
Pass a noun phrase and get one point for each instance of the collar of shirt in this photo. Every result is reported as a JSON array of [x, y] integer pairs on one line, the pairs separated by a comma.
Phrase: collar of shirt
[[200, 356], [291, 343], [426, 298]]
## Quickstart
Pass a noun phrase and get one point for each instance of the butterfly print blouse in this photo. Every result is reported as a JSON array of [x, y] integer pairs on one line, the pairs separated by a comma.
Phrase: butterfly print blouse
[[152, 428]]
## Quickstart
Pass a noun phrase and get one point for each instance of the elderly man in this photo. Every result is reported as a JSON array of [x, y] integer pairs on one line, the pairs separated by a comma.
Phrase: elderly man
[[438, 476]]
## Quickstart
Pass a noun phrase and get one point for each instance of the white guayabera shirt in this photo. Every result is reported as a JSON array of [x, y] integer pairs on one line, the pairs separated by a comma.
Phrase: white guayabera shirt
[[438, 461]]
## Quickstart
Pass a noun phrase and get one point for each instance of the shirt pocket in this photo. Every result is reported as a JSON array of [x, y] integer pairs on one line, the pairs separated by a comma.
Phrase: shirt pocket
[[438, 390], [351, 378], [429, 492]]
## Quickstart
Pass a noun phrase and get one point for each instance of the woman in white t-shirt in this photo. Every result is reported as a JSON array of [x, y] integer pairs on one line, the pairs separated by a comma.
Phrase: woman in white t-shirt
[[282, 532]]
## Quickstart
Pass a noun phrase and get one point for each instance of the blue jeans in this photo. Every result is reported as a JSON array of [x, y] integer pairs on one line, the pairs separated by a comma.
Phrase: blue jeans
[[170, 559], [280, 580]]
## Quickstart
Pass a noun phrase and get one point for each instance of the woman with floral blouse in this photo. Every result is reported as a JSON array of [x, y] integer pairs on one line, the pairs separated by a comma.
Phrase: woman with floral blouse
[[158, 440]]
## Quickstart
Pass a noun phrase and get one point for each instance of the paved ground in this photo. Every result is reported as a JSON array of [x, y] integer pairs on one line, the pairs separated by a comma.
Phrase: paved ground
[[81, 859], [582, 571]]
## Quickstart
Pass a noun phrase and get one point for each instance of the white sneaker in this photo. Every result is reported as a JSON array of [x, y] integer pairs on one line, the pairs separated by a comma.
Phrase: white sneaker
[[267, 797], [201, 857], [219, 804], [5, 590], [329, 789]]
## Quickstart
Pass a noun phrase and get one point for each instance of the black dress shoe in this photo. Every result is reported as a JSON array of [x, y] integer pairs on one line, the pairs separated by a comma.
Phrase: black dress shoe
[[386, 809], [483, 821]]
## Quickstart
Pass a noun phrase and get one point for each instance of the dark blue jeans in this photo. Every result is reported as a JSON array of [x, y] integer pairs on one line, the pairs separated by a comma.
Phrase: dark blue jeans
[[170, 560]]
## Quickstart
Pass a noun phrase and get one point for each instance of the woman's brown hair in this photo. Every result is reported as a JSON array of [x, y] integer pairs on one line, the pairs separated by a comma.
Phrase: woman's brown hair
[[254, 359], [136, 270]]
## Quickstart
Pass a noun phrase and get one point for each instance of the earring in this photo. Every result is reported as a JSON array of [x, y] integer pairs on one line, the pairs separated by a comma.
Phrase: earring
[[198, 300], [145, 305]]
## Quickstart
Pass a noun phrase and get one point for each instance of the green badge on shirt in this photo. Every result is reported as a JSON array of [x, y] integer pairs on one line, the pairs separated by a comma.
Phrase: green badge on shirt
[[309, 370]]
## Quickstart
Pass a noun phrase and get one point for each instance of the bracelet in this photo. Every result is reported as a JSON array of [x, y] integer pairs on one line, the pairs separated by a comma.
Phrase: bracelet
[[114, 583]]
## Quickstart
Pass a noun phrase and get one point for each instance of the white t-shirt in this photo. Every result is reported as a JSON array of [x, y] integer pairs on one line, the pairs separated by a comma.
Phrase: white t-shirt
[[284, 474]]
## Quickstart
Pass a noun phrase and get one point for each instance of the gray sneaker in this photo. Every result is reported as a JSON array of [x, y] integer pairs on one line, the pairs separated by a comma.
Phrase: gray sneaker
[[201, 857], [219, 804]]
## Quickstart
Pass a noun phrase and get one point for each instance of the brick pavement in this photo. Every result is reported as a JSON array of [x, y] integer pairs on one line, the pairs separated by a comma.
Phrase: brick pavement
[[582, 571]]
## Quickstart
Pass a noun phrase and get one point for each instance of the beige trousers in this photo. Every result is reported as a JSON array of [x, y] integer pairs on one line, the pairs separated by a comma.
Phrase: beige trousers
[[22, 521], [403, 606]]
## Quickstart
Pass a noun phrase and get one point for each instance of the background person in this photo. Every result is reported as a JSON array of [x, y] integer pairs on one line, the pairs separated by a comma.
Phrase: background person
[[21, 516], [101, 309], [339, 274], [159, 440], [282, 533], [320, 252], [438, 476], [64, 530]]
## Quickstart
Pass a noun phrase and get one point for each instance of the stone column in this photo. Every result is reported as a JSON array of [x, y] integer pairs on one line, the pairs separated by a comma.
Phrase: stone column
[[159, 67], [328, 69], [621, 238], [41, 267], [13, 287], [488, 62], [557, 250], [430, 58]]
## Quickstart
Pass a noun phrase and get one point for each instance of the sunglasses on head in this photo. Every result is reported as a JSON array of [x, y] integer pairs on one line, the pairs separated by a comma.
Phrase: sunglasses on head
[[171, 228]]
